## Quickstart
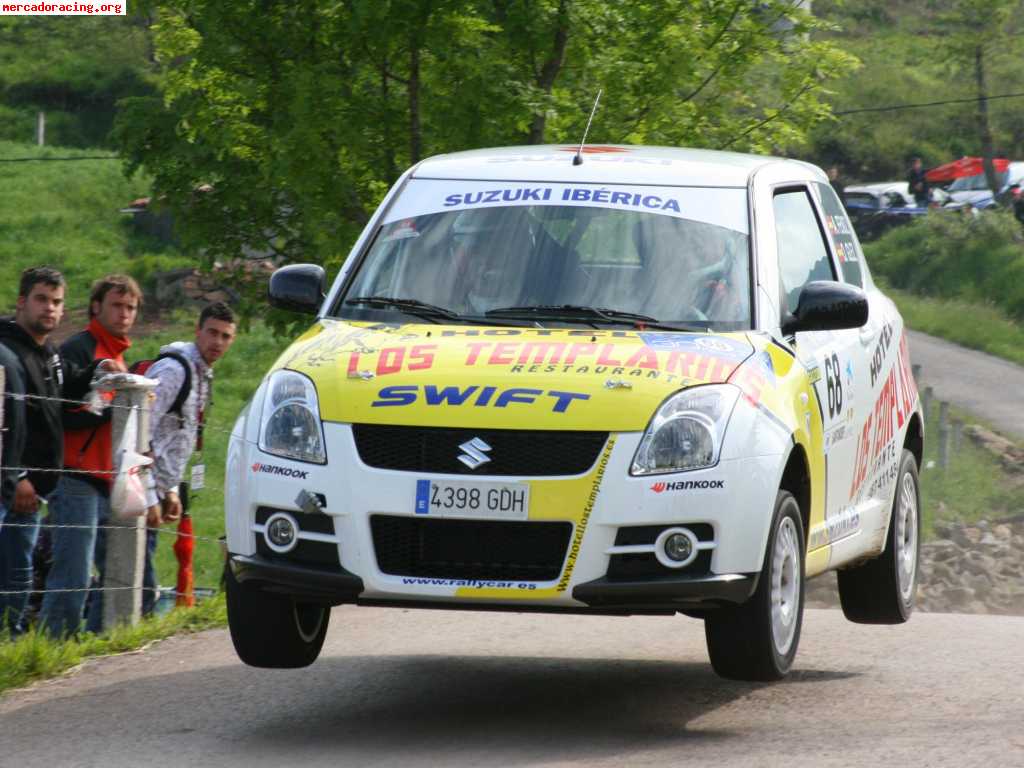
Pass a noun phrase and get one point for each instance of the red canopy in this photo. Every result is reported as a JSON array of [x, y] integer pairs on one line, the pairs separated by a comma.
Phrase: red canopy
[[965, 166]]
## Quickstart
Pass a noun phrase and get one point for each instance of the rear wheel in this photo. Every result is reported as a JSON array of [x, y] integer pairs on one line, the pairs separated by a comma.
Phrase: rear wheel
[[881, 591], [273, 631], [758, 639]]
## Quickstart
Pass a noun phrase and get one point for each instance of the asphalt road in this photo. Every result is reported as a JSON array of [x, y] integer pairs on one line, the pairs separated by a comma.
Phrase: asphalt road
[[441, 688], [986, 386]]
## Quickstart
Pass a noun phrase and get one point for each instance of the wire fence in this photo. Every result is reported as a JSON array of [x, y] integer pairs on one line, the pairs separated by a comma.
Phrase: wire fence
[[89, 403], [109, 582]]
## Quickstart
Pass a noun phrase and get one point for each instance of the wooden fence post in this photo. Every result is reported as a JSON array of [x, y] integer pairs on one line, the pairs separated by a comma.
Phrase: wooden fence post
[[126, 540], [943, 434], [926, 402]]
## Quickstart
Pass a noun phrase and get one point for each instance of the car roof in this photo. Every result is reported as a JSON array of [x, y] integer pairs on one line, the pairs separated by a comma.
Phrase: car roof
[[608, 164], [879, 188]]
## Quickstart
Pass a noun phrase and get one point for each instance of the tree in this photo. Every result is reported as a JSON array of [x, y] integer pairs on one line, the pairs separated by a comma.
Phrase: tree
[[976, 30], [294, 118]]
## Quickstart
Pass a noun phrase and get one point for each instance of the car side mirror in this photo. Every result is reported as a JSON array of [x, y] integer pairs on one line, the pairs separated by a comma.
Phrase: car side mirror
[[827, 306], [297, 288]]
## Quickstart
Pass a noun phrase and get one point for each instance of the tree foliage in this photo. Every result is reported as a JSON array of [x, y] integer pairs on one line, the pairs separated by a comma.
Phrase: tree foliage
[[281, 125], [915, 53]]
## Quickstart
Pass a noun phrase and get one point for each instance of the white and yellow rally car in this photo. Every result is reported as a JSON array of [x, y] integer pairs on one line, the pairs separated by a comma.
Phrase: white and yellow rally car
[[656, 381]]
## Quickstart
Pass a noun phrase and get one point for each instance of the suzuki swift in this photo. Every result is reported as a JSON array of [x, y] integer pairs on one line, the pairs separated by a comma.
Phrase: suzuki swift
[[657, 381]]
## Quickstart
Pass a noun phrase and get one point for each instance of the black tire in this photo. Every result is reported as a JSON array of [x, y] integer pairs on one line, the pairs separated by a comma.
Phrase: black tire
[[758, 639], [881, 591], [273, 631]]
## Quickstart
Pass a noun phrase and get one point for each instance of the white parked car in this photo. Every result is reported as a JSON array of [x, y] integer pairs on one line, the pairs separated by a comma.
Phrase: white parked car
[[659, 381], [974, 190], [879, 196]]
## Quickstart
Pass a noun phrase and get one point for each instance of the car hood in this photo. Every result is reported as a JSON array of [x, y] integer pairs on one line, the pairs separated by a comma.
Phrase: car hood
[[505, 378]]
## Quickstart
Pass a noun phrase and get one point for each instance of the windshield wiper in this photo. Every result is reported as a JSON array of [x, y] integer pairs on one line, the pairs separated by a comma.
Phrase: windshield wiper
[[410, 306], [589, 315]]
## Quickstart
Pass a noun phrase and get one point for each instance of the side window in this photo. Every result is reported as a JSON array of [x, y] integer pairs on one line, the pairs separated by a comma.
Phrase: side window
[[843, 240], [803, 256]]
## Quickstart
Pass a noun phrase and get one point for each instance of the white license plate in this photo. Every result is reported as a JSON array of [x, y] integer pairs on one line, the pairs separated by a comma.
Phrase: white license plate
[[505, 501]]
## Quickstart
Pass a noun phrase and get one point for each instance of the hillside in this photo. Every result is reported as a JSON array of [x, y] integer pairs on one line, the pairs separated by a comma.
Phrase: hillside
[[66, 214], [907, 50]]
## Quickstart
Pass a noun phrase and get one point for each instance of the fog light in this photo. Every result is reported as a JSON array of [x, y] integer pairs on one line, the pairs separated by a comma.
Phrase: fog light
[[281, 532], [676, 547]]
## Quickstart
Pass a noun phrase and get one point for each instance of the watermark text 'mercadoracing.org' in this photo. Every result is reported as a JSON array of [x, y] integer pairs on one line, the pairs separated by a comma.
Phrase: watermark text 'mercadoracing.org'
[[63, 9]]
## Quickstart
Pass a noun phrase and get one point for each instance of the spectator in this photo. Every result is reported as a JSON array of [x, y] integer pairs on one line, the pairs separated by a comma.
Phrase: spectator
[[837, 182], [11, 606], [83, 498], [917, 183], [47, 379], [176, 435]]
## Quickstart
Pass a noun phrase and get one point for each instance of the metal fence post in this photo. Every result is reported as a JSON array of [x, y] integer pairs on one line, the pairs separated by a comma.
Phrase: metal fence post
[[3, 402], [126, 540]]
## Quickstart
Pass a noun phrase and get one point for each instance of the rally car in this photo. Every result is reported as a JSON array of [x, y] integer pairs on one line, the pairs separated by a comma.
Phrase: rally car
[[627, 380]]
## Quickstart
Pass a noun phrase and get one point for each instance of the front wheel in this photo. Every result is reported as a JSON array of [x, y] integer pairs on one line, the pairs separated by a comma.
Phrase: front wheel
[[273, 631], [758, 639], [881, 591]]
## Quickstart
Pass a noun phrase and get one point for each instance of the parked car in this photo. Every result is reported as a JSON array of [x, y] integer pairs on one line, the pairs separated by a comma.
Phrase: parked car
[[975, 190], [876, 208], [657, 382]]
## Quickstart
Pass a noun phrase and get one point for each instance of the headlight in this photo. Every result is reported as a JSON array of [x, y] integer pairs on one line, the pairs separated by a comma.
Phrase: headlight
[[687, 431], [290, 424]]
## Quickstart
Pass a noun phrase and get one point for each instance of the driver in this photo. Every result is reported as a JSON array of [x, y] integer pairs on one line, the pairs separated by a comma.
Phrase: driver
[[485, 274]]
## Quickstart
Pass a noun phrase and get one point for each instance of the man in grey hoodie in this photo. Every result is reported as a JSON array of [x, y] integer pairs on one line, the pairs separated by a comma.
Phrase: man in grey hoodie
[[177, 432]]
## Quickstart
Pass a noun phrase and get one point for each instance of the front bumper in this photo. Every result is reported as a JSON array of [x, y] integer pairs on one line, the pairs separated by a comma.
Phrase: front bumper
[[338, 587], [681, 593], [302, 582]]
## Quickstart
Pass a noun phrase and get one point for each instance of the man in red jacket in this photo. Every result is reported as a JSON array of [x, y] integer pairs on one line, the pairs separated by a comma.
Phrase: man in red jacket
[[82, 498]]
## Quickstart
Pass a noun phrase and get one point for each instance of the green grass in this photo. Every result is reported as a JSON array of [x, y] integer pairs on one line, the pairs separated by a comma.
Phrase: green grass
[[35, 656], [974, 486], [976, 326], [66, 215]]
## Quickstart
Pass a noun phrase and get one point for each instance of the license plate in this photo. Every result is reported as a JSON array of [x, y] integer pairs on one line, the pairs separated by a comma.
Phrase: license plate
[[505, 501]]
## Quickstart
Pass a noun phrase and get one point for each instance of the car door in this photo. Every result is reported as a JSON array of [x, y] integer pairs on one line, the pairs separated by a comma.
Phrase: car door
[[881, 382], [835, 360]]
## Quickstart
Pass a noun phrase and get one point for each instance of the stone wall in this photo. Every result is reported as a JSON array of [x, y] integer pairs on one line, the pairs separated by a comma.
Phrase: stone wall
[[964, 568]]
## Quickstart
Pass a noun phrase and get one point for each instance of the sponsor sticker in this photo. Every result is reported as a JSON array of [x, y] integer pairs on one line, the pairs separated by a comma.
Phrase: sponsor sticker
[[687, 485], [279, 471]]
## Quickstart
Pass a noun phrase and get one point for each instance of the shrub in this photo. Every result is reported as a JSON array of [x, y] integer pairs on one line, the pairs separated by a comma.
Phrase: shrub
[[956, 256]]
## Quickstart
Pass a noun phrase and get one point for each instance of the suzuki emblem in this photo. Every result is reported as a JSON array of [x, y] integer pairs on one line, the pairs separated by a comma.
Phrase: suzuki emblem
[[475, 453]]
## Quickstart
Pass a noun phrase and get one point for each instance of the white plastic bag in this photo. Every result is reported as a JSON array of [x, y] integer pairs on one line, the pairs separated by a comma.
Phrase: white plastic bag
[[129, 496]]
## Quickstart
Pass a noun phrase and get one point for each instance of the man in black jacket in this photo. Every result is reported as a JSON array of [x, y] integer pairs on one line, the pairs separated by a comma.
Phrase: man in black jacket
[[47, 380], [11, 606]]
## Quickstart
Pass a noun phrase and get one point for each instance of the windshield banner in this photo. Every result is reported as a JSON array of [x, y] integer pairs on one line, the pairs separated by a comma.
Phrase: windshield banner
[[723, 207]]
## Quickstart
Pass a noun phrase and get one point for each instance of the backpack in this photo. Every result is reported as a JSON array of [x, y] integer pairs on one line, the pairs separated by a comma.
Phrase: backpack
[[140, 367]]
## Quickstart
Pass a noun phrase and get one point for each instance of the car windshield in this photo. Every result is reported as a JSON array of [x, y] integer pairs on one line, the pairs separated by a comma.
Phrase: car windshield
[[975, 183], [511, 253]]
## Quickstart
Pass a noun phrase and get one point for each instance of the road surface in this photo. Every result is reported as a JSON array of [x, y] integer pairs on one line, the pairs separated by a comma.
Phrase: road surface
[[988, 387], [445, 688]]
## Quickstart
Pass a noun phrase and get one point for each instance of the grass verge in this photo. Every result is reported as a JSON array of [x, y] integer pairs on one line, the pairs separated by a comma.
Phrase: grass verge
[[974, 485], [35, 656], [976, 326]]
